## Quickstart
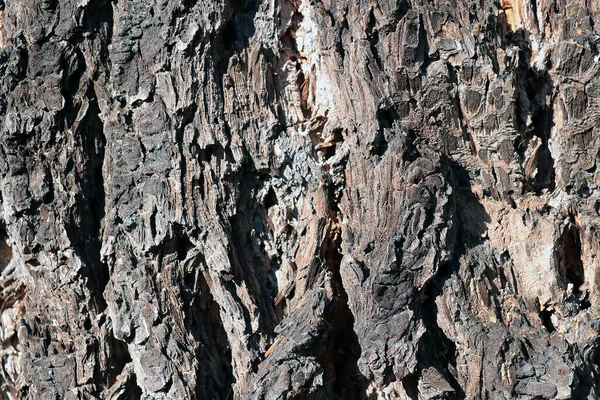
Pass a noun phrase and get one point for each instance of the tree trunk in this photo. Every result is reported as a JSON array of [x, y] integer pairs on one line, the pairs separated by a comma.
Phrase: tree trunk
[[299, 199]]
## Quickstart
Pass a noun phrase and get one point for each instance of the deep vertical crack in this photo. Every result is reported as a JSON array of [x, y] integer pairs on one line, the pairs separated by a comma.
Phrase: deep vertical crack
[[92, 201], [5, 249], [343, 346]]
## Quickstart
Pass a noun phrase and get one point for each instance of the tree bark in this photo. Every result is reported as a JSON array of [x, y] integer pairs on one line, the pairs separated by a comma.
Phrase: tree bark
[[299, 199]]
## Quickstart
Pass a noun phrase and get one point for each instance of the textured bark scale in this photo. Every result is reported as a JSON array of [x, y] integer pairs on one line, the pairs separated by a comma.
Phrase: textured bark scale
[[299, 199]]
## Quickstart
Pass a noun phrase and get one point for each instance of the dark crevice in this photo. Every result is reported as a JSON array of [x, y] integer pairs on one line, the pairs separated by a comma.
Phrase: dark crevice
[[436, 350], [249, 229], [471, 214], [568, 257], [546, 317], [534, 13], [411, 386], [584, 382], [569, 264], [189, 4], [94, 144], [203, 321], [85, 224], [410, 153], [342, 28], [524, 350], [386, 116], [342, 350], [83, 221], [6, 253], [229, 35], [119, 358], [424, 48], [236, 32], [270, 198], [132, 389], [135, 391], [373, 39], [183, 247]]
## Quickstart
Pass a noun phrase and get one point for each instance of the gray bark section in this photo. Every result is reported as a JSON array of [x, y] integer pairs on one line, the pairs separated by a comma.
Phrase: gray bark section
[[297, 199]]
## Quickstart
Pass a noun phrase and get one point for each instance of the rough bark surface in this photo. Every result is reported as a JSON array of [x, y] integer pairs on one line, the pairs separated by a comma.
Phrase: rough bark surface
[[299, 199]]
